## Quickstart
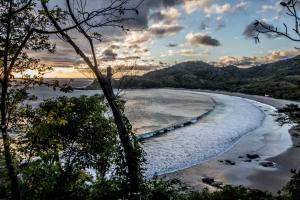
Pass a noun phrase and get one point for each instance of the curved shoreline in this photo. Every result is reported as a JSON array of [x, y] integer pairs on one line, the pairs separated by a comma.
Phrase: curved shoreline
[[173, 127], [217, 155], [242, 173], [204, 140], [249, 174], [237, 140]]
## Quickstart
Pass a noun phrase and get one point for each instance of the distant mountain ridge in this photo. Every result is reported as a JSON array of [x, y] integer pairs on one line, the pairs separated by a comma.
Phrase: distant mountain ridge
[[280, 79]]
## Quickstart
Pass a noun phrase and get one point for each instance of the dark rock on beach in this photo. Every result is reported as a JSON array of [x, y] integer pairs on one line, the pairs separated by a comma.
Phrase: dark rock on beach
[[208, 180], [295, 134], [252, 156], [229, 162], [211, 181], [187, 123], [217, 184], [267, 164]]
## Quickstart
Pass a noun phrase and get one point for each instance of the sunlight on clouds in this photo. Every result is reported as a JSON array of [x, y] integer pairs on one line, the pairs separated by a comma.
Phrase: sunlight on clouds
[[192, 5], [201, 40], [248, 61], [175, 30], [69, 73]]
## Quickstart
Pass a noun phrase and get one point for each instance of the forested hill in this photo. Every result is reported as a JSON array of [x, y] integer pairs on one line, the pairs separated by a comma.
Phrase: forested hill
[[280, 79]]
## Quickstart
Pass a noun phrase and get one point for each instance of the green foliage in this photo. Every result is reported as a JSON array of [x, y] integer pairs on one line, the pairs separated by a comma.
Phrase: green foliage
[[164, 190], [64, 138], [229, 193], [21, 23], [292, 189], [68, 136], [289, 114], [4, 179], [107, 189]]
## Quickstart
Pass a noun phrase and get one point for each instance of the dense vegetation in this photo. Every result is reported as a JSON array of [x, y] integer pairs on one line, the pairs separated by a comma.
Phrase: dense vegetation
[[280, 79], [72, 148], [68, 149]]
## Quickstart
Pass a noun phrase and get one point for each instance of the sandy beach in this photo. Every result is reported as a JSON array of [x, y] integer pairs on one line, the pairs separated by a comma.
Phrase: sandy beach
[[245, 171], [150, 110]]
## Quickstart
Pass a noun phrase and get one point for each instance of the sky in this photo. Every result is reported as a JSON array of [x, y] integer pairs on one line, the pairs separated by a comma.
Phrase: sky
[[167, 32]]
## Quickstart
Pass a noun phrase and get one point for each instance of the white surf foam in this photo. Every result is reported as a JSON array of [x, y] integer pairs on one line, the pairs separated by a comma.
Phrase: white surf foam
[[231, 119]]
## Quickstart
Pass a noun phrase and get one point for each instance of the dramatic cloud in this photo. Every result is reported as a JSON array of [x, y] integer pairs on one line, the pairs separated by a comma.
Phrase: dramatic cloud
[[109, 54], [201, 40], [142, 20], [279, 55], [192, 5], [238, 61], [226, 8], [64, 57], [137, 38], [141, 50], [244, 61], [165, 16], [143, 46], [162, 30]]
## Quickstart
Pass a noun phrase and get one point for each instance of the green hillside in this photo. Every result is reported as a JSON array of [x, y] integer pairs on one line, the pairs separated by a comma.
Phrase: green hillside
[[280, 79]]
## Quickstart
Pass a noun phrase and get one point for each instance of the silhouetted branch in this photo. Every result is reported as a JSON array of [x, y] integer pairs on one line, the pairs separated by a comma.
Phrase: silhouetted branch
[[22, 8], [264, 28], [112, 19]]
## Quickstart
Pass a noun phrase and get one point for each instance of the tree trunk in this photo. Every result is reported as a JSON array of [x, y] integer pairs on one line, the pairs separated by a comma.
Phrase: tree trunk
[[6, 143], [129, 151]]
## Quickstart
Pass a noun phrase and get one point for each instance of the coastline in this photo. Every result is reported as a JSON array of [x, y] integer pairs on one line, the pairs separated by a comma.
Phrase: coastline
[[205, 140], [178, 125], [286, 161], [242, 172], [154, 112], [276, 103]]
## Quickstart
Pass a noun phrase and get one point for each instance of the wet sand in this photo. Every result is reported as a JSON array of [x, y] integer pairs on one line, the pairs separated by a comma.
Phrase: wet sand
[[165, 107], [274, 180], [244, 172], [150, 110]]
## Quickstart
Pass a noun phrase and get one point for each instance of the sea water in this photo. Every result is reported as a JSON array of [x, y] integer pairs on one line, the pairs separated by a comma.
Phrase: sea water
[[231, 119]]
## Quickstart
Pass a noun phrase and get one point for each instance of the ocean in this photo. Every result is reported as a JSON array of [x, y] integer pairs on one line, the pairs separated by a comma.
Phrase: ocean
[[230, 118]]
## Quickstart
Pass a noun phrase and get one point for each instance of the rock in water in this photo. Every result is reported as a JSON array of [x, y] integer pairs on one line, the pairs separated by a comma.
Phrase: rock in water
[[267, 164], [252, 156], [229, 162]]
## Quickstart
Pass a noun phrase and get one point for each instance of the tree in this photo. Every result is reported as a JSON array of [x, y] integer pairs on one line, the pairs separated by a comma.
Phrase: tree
[[289, 114], [63, 138], [19, 27], [293, 34], [110, 15]]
